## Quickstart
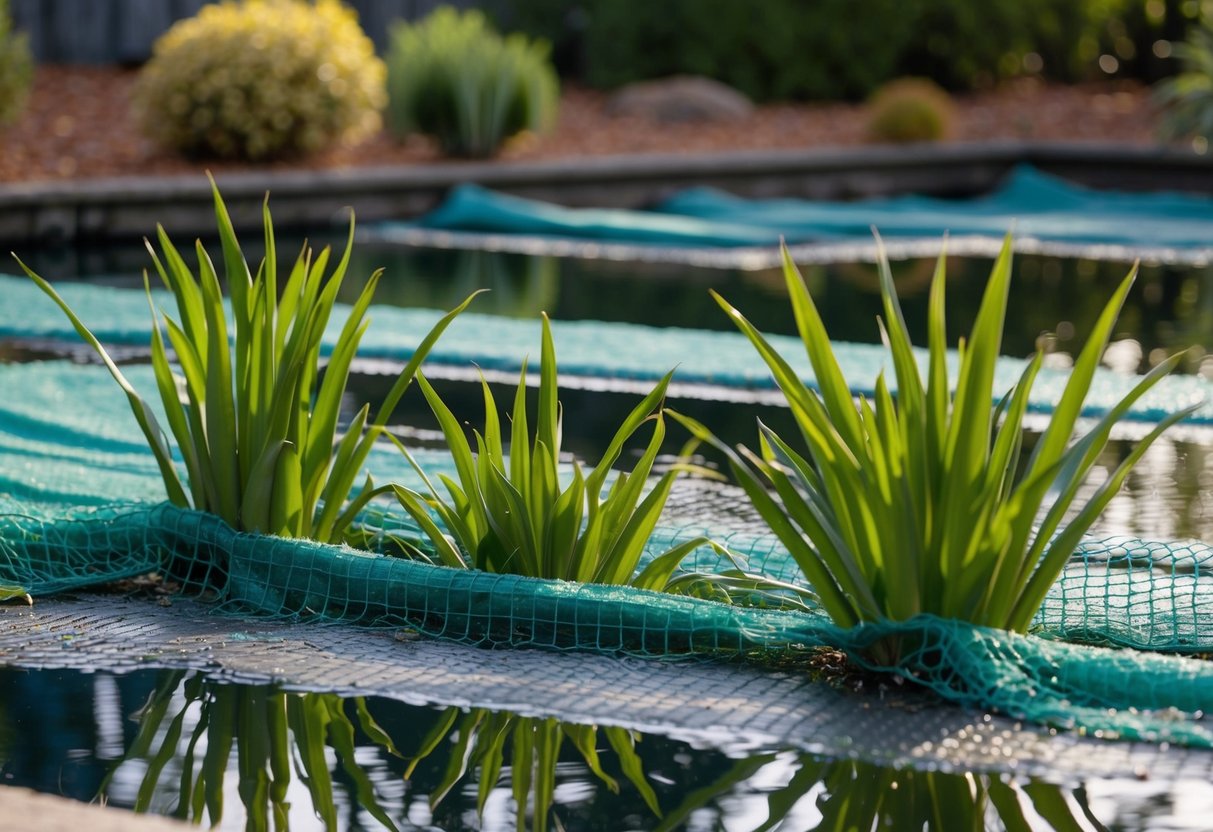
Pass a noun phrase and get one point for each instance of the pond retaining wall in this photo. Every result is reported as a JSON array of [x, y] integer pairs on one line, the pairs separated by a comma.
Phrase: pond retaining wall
[[104, 209]]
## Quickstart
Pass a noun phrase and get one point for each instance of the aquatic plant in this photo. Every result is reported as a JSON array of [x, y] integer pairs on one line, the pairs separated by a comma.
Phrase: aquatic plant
[[262, 79], [916, 502], [514, 516], [452, 77], [254, 418], [16, 68]]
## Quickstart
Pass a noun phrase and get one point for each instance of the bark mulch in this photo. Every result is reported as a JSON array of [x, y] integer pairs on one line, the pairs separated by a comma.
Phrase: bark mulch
[[78, 125]]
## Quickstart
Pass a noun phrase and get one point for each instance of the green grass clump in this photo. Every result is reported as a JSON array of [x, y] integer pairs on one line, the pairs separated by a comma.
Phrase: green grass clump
[[509, 512], [254, 419], [450, 76], [909, 110], [1186, 99], [262, 79], [911, 503], [16, 68]]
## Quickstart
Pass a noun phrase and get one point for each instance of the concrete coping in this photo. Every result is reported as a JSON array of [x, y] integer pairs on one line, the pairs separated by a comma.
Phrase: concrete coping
[[130, 207]]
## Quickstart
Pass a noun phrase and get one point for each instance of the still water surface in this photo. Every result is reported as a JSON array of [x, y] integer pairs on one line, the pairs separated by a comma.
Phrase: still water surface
[[241, 755], [249, 756]]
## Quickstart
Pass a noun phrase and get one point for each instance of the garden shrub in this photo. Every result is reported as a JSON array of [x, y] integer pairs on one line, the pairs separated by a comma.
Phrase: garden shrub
[[451, 76], [260, 79], [909, 110], [16, 68], [786, 49], [1187, 98]]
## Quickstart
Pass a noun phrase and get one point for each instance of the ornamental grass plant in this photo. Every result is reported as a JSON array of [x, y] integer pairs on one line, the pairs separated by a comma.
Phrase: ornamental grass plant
[[508, 512], [253, 413], [16, 68], [450, 76], [918, 501]]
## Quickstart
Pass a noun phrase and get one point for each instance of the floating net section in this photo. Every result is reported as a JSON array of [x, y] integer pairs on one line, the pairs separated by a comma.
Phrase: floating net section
[[68, 447], [1037, 204], [587, 349]]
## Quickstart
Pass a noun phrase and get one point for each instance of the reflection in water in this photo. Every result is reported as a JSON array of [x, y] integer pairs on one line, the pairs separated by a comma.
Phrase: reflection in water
[[261, 758], [1170, 308]]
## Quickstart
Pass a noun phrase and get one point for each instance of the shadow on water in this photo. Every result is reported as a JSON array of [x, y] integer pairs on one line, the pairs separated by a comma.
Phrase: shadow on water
[[260, 757]]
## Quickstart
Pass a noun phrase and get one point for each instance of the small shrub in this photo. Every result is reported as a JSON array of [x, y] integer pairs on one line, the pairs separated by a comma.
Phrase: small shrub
[[254, 419], [1187, 98], [259, 79], [452, 77], [16, 68], [910, 504], [909, 110]]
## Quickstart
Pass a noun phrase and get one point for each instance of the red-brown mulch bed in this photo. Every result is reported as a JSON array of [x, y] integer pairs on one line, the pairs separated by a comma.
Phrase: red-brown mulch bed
[[78, 125]]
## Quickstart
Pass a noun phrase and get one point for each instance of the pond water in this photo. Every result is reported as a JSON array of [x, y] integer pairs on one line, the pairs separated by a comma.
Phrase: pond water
[[97, 735], [250, 756]]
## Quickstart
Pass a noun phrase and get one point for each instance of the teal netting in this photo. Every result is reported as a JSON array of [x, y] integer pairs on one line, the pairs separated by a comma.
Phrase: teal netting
[[587, 349], [1038, 206], [79, 504]]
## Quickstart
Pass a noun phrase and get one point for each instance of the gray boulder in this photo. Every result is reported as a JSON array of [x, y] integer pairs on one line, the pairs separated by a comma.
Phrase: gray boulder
[[680, 98]]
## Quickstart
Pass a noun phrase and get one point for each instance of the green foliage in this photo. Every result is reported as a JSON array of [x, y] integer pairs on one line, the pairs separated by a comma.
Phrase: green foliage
[[254, 419], [909, 110], [16, 68], [452, 77], [789, 49], [776, 49], [515, 516], [1187, 98], [262, 79], [485, 740], [910, 504]]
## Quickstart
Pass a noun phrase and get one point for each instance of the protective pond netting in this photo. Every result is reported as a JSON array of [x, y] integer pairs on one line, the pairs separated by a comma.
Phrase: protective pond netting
[[80, 505], [587, 349], [1047, 212]]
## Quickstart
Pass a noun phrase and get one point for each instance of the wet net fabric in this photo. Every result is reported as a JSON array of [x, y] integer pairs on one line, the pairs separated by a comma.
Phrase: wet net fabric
[[587, 349], [68, 449], [1038, 205]]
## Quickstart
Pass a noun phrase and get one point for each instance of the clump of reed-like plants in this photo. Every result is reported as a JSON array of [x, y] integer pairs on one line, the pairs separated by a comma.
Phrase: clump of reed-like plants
[[509, 513], [918, 501], [1186, 99], [253, 413], [450, 76], [16, 68]]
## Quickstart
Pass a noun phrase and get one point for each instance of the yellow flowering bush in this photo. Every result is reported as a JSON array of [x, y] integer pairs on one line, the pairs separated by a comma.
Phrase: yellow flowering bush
[[259, 79]]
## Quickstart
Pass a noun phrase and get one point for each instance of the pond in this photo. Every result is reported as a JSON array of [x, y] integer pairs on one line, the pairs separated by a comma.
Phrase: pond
[[144, 739], [254, 756]]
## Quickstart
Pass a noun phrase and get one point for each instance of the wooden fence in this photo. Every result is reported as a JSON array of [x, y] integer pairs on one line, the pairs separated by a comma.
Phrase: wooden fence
[[123, 31]]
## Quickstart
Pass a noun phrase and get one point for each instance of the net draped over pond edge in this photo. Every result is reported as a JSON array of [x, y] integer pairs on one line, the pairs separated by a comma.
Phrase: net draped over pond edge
[[587, 349], [1037, 205], [80, 505]]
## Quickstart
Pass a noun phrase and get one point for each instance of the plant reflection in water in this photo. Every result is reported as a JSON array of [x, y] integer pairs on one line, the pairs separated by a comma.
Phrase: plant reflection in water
[[194, 734]]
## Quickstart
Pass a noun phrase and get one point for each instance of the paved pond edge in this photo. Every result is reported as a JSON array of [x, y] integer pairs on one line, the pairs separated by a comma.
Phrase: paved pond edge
[[129, 207]]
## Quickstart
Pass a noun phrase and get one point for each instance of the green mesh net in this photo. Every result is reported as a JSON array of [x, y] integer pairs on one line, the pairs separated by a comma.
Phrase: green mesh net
[[80, 504]]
